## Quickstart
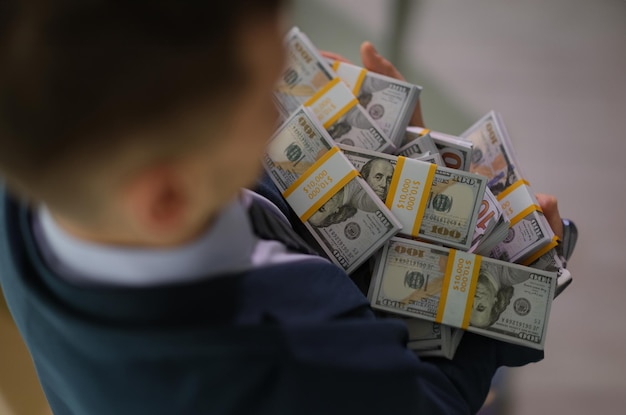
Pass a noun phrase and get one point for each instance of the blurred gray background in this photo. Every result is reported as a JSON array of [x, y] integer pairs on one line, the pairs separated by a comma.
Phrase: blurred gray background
[[556, 72]]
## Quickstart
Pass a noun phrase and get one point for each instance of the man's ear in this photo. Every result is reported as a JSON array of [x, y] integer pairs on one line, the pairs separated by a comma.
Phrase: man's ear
[[156, 200]]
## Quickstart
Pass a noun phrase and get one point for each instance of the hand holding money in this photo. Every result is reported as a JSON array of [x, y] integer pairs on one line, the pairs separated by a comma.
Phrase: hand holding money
[[493, 298], [373, 61], [341, 212], [433, 203]]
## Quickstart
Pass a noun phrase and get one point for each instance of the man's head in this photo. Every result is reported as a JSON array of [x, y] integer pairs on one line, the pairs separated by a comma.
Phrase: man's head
[[152, 113], [378, 173]]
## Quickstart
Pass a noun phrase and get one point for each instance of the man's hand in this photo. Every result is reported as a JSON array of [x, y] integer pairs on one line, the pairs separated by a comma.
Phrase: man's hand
[[550, 208], [373, 61]]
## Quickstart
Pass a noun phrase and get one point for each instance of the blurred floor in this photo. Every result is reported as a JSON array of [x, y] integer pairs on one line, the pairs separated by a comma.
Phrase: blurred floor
[[557, 72], [20, 393]]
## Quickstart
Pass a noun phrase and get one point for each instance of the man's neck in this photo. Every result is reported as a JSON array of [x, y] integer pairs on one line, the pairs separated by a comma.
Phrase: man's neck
[[125, 236]]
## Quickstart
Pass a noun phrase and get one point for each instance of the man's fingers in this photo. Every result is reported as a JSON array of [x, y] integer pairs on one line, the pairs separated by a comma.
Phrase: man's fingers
[[372, 61], [549, 205]]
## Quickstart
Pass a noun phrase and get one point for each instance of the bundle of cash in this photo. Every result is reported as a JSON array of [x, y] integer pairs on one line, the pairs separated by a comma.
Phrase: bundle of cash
[[530, 235], [306, 73], [417, 146], [553, 261], [389, 101], [432, 203], [455, 152], [429, 339], [341, 211], [434, 158], [347, 122], [492, 225], [509, 302]]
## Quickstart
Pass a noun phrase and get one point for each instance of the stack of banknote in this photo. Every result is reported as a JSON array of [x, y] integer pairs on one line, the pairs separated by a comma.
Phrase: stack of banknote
[[357, 176], [305, 73], [389, 101], [417, 145], [429, 339], [492, 226], [345, 120], [344, 215], [355, 106], [435, 204], [497, 299], [309, 80], [530, 235], [455, 152]]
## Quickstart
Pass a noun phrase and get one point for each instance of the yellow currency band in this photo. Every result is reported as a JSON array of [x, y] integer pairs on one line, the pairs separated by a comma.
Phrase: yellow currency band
[[424, 132], [307, 173], [395, 179], [341, 112], [469, 302], [472, 292], [426, 186], [445, 287], [359, 81], [511, 188], [420, 212], [553, 243], [330, 193], [321, 92], [524, 213], [333, 190], [521, 215]]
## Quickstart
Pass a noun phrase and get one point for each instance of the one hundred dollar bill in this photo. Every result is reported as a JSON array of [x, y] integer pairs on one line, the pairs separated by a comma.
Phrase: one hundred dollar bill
[[455, 152], [417, 145], [509, 302], [427, 338], [488, 218], [306, 73], [389, 101], [433, 203], [430, 158], [347, 122], [338, 208], [297, 144], [530, 235], [430, 339]]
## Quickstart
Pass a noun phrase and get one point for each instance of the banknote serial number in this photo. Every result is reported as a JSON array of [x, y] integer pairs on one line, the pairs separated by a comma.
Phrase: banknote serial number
[[408, 194], [532, 327], [318, 183], [462, 275]]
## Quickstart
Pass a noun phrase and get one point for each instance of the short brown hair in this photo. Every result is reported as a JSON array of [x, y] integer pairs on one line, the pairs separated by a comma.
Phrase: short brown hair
[[76, 73]]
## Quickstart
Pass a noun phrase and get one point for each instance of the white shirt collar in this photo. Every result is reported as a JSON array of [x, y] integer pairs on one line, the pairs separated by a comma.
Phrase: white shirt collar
[[211, 254]]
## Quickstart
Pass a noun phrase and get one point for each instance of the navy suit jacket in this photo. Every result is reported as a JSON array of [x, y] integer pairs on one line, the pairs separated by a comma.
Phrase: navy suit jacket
[[296, 338]]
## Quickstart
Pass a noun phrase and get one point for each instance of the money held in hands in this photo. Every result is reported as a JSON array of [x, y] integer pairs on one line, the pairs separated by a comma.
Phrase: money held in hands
[[493, 298], [342, 213], [433, 203]]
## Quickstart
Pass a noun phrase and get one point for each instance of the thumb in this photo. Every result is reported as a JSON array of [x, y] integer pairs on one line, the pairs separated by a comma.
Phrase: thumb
[[373, 61]]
